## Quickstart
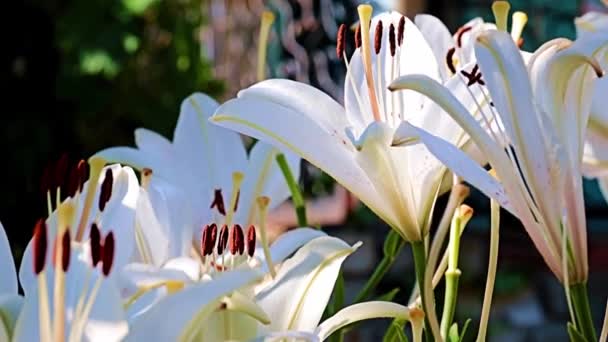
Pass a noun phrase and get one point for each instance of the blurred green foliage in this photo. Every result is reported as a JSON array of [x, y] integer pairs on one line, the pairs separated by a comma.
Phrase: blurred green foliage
[[83, 75]]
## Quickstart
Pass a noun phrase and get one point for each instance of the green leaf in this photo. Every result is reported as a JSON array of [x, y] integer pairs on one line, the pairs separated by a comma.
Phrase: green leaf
[[453, 335], [464, 329], [395, 331], [392, 243], [389, 296], [575, 335]]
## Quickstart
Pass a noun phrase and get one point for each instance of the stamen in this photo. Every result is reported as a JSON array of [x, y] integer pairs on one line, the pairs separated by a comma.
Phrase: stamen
[[82, 174], [40, 246], [520, 42], [267, 20], [218, 202], [501, 14], [60, 173], [95, 241], [401, 30], [108, 254], [237, 240], [391, 39], [212, 237], [378, 37], [519, 20], [365, 14], [223, 240], [96, 165], [237, 180], [205, 242], [358, 37], [146, 177], [341, 41], [106, 189], [65, 250], [461, 31], [263, 203], [449, 60], [251, 239]]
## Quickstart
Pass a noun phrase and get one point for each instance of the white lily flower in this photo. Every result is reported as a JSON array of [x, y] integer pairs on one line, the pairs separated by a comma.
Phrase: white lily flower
[[243, 307], [353, 144], [210, 166], [352, 314], [540, 173], [118, 215], [595, 159], [145, 284], [10, 300], [72, 299]]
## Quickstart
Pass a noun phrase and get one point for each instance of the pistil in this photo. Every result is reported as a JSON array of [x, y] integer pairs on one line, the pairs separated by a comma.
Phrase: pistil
[[263, 203], [365, 14], [518, 23], [501, 14], [267, 20]]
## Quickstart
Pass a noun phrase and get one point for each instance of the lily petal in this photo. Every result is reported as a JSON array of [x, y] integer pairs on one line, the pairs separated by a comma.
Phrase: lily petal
[[275, 111], [460, 163], [8, 273], [312, 270], [435, 31], [358, 312], [10, 308], [187, 308], [264, 178]]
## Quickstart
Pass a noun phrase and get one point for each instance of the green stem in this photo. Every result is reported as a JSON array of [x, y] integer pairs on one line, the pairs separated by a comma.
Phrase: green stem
[[452, 275], [419, 253], [296, 195], [582, 311]]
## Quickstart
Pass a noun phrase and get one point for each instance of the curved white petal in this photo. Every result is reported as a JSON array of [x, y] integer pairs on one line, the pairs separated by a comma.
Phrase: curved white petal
[[414, 56], [119, 215], [187, 308], [439, 37], [263, 177], [361, 311], [106, 319], [591, 22], [8, 273], [278, 121], [296, 298], [461, 164], [10, 309], [287, 243]]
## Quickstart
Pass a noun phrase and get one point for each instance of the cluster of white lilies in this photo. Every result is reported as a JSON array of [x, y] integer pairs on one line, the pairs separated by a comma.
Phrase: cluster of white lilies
[[182, 253]]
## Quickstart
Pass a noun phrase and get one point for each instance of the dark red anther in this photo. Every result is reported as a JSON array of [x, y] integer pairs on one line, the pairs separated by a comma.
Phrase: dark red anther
[[237, 240], [218, 202], [251, 239], [358, 37], [95, 241], [222, 240], [108, 254], [212, 236], [40, 246], [391, 39], [520, 42], [82, 174], [459, 34], [473, 77], [401, 30], [341, 41], [106, 189], [65, 250], [449, 60], [378, 37], [205, 241]]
